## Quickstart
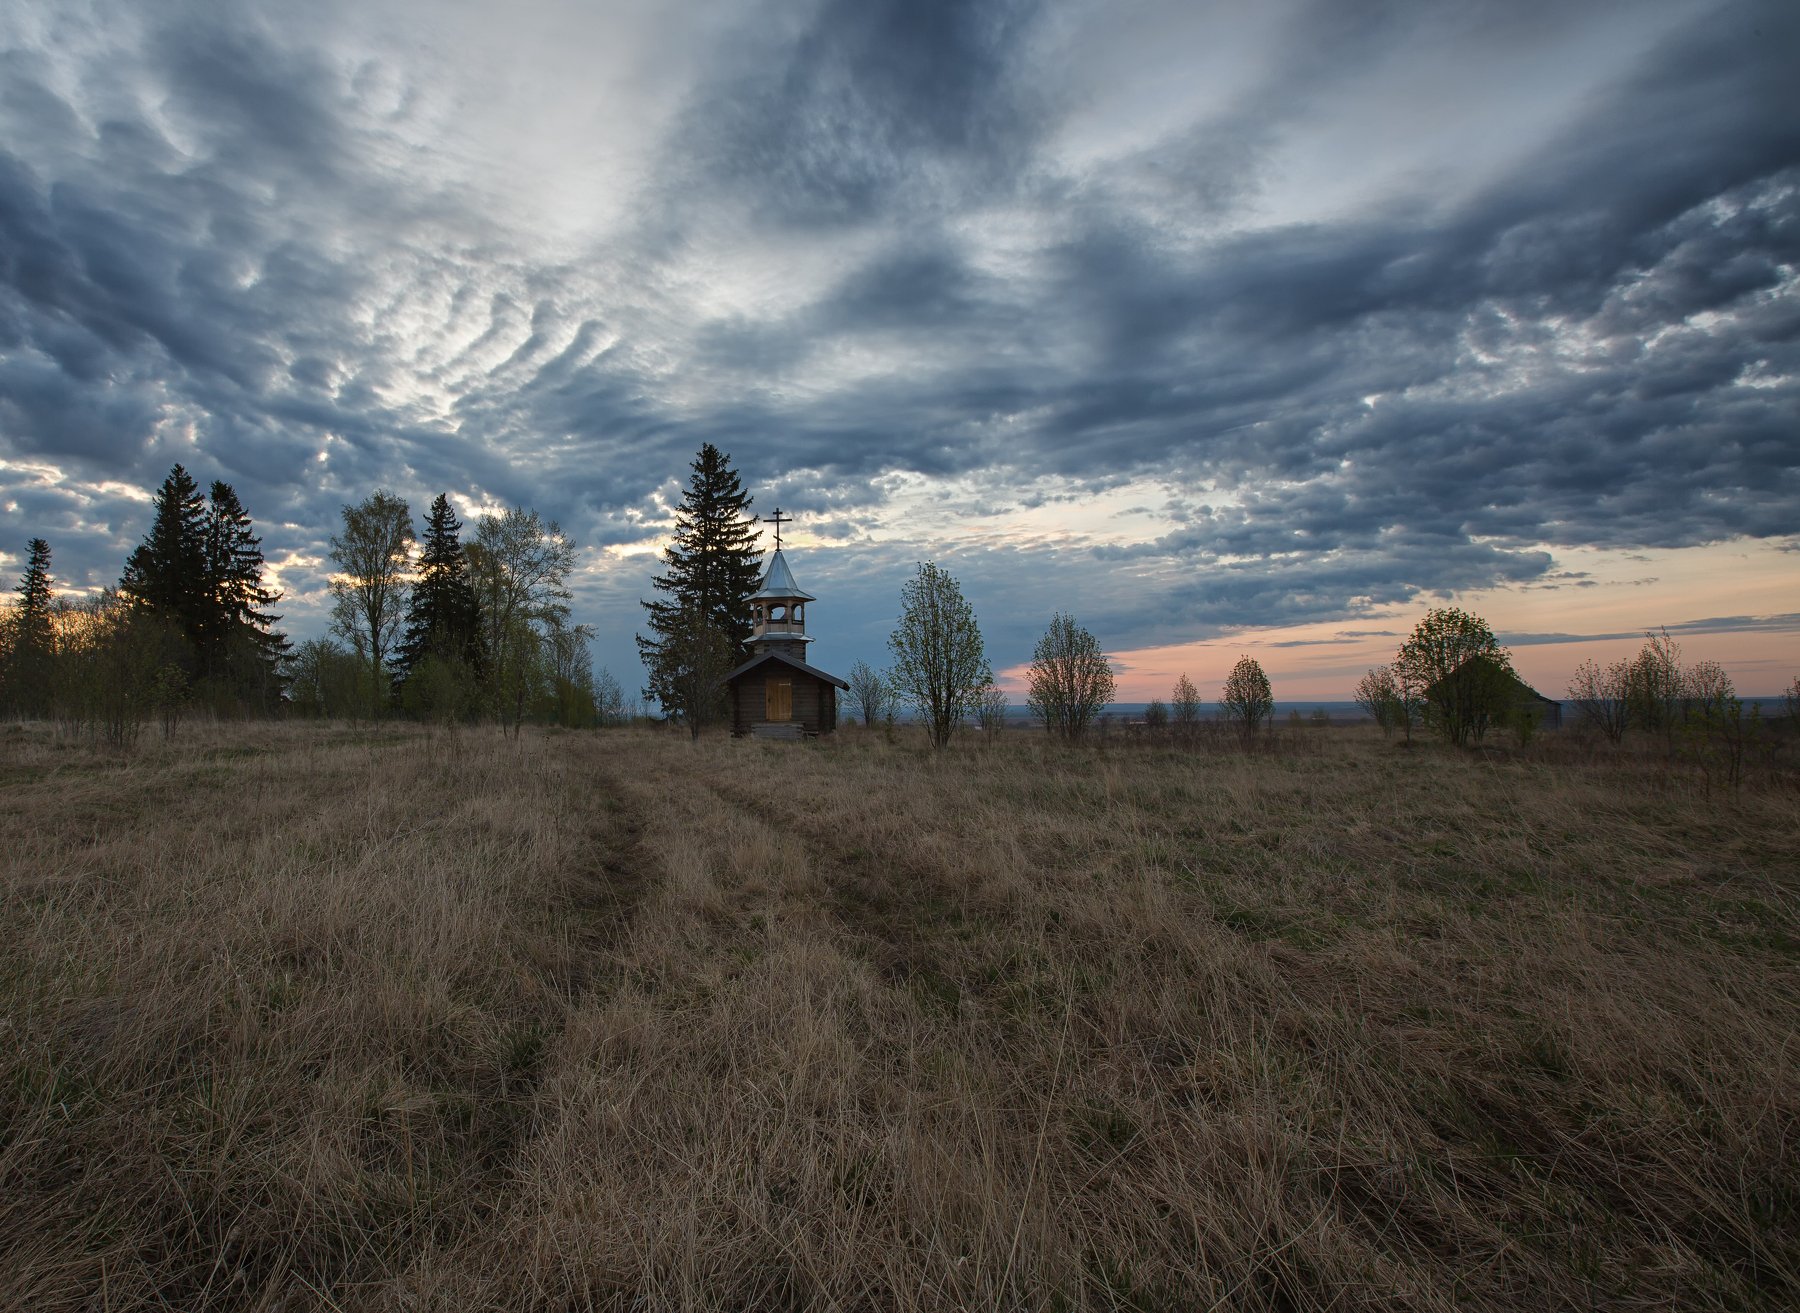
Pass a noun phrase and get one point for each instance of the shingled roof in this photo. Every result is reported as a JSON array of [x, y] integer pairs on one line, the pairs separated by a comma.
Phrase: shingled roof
[[778, 584], [756, 661]]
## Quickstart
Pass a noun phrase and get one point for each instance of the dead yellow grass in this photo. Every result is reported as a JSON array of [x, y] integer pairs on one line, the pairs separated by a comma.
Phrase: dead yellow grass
[[315, 1017]]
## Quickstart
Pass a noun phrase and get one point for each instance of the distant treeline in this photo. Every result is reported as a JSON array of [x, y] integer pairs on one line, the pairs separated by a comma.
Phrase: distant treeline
[[433, 630]]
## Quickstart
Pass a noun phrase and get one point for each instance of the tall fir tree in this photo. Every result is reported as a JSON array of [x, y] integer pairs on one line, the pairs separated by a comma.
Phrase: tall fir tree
[[33, 614], [200, 569], [239, 644], [443, 619], [711, 569], [25, 678], [168, 572]]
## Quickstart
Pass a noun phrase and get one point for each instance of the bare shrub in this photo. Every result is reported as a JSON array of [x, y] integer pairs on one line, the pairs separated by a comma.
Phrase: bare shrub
[[115, 667], [1376, 695], [1602, 697], [1716, 733], [1184, 707], [870, 692], [609, 699], [1387, 701], [991, 705], [1658, 687]]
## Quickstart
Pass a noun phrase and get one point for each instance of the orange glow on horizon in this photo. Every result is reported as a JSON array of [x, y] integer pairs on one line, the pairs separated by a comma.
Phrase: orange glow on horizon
[[1600, 613]]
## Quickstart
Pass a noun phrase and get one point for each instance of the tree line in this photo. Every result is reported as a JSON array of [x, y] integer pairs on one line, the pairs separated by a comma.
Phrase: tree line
[[1690, 711], [1452, 675], [1654, 693], [441, 630], [940, 669], [188, 625], [437, 629], [432, 629]]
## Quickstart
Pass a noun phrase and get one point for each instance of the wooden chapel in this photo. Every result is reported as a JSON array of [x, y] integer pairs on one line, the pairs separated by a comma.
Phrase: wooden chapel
[[776, 694]]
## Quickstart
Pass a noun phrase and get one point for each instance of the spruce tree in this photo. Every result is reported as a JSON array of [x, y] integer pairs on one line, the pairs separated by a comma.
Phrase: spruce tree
[[27, 672], [238, 644], [443, 619], [200, 570], [33, 615], [168, 572], [712, 567]]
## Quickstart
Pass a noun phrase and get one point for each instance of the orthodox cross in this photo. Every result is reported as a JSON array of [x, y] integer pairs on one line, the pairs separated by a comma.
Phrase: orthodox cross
[[778, 519]]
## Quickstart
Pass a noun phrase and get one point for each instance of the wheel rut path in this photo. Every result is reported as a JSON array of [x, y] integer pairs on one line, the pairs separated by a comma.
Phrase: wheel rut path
[[611, 878], [861, 892]]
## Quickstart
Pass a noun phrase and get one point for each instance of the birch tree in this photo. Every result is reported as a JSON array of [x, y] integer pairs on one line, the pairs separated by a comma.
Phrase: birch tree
[[370, 590], [940, 662]]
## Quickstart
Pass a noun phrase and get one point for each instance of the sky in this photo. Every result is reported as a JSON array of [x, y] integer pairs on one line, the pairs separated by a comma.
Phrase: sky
[[1227, 329]]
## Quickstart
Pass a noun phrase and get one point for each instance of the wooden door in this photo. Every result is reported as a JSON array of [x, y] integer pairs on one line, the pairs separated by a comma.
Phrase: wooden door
[[778, 699]]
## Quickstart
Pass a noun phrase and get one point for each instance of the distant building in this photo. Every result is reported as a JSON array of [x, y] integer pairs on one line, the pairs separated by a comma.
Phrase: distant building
[[776, 694], [1487, 691], [1547, 710]]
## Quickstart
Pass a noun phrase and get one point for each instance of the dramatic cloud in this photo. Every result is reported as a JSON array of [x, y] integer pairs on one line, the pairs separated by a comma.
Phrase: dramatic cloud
[[1184, 320]]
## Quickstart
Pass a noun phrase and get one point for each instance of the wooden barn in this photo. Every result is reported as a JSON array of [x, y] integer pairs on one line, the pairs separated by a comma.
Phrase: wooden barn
[[1480, 681], [776, 694], [1547, 710]]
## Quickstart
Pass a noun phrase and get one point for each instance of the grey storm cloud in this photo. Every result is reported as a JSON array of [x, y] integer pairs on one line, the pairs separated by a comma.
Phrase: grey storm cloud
[[876, 108], [866, 238]]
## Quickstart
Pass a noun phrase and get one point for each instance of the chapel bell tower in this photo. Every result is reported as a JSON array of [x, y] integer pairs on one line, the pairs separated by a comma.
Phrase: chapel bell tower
[[778, 610]]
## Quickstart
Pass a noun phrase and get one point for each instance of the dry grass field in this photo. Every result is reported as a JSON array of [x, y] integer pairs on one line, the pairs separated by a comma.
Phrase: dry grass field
[[312, 1017]]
